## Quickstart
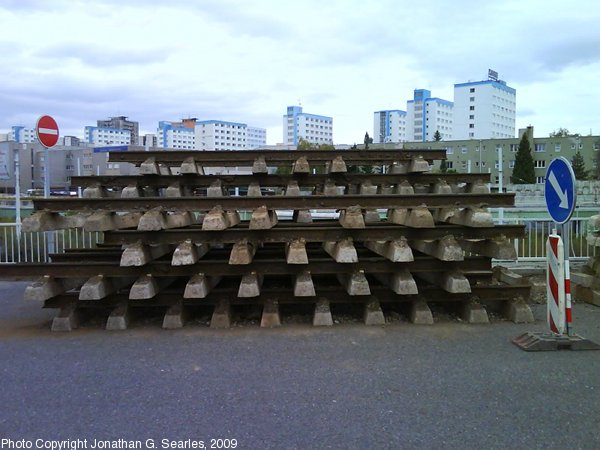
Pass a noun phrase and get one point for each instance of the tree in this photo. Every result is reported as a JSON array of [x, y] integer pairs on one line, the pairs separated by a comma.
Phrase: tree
[[578, 165], [443, 166], [437, 137], [523, 172], [368, 140], [303, 144], [561, 132]]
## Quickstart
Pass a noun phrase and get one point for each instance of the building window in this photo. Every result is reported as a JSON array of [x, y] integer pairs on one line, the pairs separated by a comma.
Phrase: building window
[[463, 149], [539, 148], [557, 147], [471, 108], [449, 150], [539, 164], [471, 125], [472, 116], [539, 180], [511, 164], [471, 99], [471, 134], [514, 148], [472, 90], [596, 146], [449, 164], [464, 164]]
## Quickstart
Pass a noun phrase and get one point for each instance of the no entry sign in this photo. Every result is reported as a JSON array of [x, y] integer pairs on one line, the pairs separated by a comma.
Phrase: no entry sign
[[47, 131]]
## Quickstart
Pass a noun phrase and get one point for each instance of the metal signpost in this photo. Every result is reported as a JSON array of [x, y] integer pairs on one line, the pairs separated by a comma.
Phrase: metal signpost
[[561, 196], [47, 132]]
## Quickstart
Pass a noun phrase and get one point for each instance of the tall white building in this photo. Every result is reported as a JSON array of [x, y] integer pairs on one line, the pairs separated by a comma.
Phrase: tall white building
[[484, 110], [426, 114], [224, 135], [389, 126], [310, 127], [180, 135], [106, 136]]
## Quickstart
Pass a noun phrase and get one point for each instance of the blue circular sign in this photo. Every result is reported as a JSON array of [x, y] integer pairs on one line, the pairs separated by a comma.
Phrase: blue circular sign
[[559, 190]]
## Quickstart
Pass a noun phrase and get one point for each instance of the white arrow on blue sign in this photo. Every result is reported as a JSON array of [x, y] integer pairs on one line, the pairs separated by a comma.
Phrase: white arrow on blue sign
[[559, 190]]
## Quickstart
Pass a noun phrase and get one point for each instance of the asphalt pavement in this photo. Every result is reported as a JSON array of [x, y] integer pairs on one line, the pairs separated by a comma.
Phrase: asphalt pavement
[[450, 385]]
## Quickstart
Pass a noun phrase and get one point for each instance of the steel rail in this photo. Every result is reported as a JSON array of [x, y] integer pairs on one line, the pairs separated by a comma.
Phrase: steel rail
[[276, 202]]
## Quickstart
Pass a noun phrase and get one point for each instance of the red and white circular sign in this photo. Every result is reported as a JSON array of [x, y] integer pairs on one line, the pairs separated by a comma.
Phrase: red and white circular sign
[[47, 131]]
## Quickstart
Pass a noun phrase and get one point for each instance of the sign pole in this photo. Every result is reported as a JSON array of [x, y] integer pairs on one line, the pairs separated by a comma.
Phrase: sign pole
[[18, 199], [566, 232]]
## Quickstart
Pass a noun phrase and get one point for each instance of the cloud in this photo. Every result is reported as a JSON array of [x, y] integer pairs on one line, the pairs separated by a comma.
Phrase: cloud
[[97, 56]]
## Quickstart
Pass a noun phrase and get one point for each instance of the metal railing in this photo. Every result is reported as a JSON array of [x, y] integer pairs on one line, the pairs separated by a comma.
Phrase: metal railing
[[36, 246]]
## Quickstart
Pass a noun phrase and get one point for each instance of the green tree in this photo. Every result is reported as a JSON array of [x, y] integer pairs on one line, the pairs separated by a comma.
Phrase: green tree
[[578, 165], [523, 172], [561, 132], [437, 137], [303, 144], [443, 166]]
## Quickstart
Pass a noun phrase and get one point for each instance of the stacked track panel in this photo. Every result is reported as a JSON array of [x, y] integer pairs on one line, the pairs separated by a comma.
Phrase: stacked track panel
[[174, 238]]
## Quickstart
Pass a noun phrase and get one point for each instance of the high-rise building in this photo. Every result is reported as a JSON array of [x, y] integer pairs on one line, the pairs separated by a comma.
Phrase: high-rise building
[[255, 137], [220, 135], [22, 135], [106, 136], [177, 134], [426, 114], [121, 123], [310, 127], [389, 126], [484, 110]]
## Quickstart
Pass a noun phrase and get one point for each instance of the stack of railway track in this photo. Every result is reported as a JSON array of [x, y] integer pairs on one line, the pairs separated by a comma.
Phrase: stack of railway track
[[174, 238], [586, 283]]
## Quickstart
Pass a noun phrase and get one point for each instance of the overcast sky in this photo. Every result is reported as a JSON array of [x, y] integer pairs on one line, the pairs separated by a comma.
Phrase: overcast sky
[[246, 61]]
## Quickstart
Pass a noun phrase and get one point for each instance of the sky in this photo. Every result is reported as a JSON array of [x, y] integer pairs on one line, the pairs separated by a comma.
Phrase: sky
[[246, 61]]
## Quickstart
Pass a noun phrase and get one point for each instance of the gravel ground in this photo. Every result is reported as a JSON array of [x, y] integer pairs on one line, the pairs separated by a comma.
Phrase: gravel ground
[[450, 385]]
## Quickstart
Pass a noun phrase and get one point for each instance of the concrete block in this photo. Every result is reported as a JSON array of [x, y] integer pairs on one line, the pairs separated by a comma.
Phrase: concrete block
[[259, 165], [292, 189], [221, 317], [420, 314], [263, 218], [355, 283], [200, 285], [479, 187], [498, 248], [301, 165], [322, 316], [43, 288], [163, 169], [442, 187], [508, 276], [98, 221], [175, 317], [397, 250], [583, 279], [453, 281], [403, 283], [330, 188], [400, 167], [242, 252], [179, 219], [368, 188], [131, 191], [96, 288], [254, 190], [233, 218], [125, 220], [342, 251], [352, 217], [215, 189], [445, 214], [40, 221], [419, 164], [472, 217], [444, 249], [189, 166], [149, 167], [153, 220], [67, 319], [118, 319], [373, 314], [397, 215], [518, 311], [303, 285], [188, 253], [270, 315], [250, 285], [420, 217], [215, 219], [145, 287], [302, 216], [139, 254], [588, 295], [474, 313], [295, 252], [338, 165], [94, 191], [421, 188]]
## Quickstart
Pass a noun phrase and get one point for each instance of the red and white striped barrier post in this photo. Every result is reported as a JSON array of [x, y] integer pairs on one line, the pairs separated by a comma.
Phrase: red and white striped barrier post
[[555, 284]]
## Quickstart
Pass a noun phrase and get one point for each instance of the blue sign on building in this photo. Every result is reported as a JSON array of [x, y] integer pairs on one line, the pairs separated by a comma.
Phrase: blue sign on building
[[559, 190]]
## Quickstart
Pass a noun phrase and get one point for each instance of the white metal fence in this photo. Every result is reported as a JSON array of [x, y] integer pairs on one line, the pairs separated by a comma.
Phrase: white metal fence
[[36, 246]]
